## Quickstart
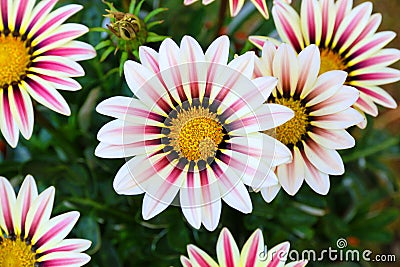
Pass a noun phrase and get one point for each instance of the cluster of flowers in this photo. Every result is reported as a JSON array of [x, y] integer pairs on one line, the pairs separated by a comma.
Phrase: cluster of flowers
[[198, 126]]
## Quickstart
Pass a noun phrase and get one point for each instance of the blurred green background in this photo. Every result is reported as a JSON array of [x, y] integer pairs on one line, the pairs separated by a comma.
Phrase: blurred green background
[[362, 205]]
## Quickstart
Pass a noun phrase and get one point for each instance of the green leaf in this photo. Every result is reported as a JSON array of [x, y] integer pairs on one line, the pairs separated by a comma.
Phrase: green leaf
[[124, 57], [103, 44], [107, 53], [154, 37], [154, 13], [138, 7]]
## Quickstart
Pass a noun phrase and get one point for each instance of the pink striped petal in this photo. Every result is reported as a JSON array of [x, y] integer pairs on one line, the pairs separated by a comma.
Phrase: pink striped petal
[[287, 23], [227, 251], [365, 104], [343, 7], [64, 259], [339, 120], [129, 109], [164, 187], [378, 95], [8, 124], [22, 110], [185, 262], [199, 258], [137, 172], [261, 5], [332, 139], [39, 212], [316, 179], [231, 188], [44, 93], [70, 245], [62, 83], [252, 249], [56, 66], [277, 255], [21, 13], [309, 65], [7, 204], [235, 6], [38, 15], [54, 230], [75, 50], [258, 40], [264, 64], [149, 58], [327, 20], [343, 99], [270, 192], [218, 51], [190, 198], [325, 160], [351, 26], [311, 21], [286, 69], [111, 151], [60, 36], [147, 87], [193, 70], [6, 7], [383, 58], [373, 76], [54, 20], [368, 47], [371, 27], [26, 195], [291, 175], [326, 86]]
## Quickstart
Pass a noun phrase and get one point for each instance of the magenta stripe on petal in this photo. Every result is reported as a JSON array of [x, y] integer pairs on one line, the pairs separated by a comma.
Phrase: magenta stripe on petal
[[5, 206], [4, 12], [351, 27], [374, 95], [55, 230], [228, 251], [22, 111], [373, 61], [67, 51], [7, 113], [49, 5], [56, 66], [311, 22], [340, 13], [253, 253], [40, 90], [277, 257], [199, 259], [374, 76], [290, 33], [61, 262], [57, 80], [38, 215], [64, 15], [20, 12], [370, 26], [132, 111], [367, 47], [59, 36]]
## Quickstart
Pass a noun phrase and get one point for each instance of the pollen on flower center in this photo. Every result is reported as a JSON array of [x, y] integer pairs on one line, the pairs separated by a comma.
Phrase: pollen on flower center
[[196, 133], [14, 59], [331, 61], [14, 252], [292, 131]]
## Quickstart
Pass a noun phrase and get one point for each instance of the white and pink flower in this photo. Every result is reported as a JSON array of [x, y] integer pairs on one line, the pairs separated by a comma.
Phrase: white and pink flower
[[322, 107], [348, 41], [194, 129], [38, 55], [254, 253], [29, 237]]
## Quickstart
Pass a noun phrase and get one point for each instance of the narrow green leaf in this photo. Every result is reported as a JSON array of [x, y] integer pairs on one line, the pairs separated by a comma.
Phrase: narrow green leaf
[[138, 7], [107, 53], [154, 23], [154, 13], [103, 44]]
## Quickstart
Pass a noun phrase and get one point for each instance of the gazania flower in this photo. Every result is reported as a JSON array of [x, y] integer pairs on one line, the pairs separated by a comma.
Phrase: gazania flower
[[348, 41], [253, 254], [236, 5], [37, 57], [194, 129], [28, 237], [322, 107]]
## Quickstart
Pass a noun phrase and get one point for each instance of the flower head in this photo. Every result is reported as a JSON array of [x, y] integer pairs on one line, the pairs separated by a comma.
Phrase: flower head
[[28, 237], [348, 41], [253, 253], [37, 57], [193, 129], [236, 5], [322, 107]]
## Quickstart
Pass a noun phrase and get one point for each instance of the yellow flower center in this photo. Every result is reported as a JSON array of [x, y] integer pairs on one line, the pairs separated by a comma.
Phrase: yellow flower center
[[331, 61], [16, 253], [14, 59], [292, 131], [196, 133]]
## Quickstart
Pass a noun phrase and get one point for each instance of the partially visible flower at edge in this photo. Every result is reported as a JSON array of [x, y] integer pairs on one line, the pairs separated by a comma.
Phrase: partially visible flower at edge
[[236, 5], [194, 129], [29, 237], [348, 41], [254, 253], [323, 112], [38, 55]]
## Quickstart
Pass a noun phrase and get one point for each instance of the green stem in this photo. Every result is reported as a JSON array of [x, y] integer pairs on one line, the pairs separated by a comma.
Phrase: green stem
[[371, 150], [100, 207]]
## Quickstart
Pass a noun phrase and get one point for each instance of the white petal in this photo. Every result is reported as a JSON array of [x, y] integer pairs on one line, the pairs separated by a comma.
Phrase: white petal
[[291, 175]]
